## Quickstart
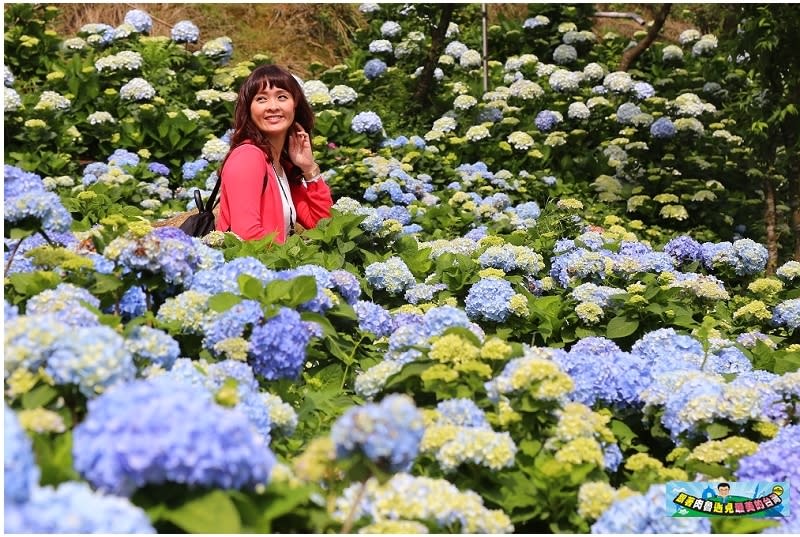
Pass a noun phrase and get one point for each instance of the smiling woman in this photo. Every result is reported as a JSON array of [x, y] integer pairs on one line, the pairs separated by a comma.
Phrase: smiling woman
[[270, 181]]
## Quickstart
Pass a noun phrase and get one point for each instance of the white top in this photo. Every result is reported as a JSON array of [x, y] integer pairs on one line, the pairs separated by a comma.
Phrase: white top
[[289, 211]]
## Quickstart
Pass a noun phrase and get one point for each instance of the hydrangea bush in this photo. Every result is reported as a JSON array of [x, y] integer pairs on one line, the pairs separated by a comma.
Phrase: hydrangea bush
[[534, 304]]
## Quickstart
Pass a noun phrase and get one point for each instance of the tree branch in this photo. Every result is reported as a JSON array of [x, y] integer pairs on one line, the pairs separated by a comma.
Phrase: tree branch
[[630, 55]]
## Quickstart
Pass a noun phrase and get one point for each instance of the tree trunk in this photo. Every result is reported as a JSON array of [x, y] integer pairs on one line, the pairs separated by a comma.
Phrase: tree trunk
[[771, 226], [794, 205], [630, 55], [422, 95]]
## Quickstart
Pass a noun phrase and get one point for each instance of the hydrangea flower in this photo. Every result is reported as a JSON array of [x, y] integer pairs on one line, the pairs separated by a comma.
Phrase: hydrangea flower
[[777, 460], [139, 19], [26, 199], [666, 350], [470, 59], [373, 318], [20, 472], [645, 514], [390, 29], [185, 31], [564, 54], [137, 89], [124, 443], [367, 123], [787, 314], [547, 119], [388, 433], [490, 299], [278, 347], [74, 508], [392, 275], [380, 46]]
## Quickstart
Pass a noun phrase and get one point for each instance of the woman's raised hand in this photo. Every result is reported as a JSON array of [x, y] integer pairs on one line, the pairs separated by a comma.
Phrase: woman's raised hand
[[300, 149]]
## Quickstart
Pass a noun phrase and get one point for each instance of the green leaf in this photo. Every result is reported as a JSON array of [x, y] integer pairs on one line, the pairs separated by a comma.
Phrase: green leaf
[[716, 431], [213, 512], [621, 326], [39, 397], [250, 287], [223, 301]]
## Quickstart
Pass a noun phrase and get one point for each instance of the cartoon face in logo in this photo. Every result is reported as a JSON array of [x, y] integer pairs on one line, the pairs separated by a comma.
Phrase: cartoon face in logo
[[777, 489]]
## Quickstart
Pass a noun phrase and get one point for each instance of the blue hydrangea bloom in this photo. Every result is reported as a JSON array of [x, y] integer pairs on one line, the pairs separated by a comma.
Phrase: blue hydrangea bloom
[[347, 284], [93, 358], [462, 412], [125, 443], [75, 508], [157, 167], [726, 361], [185, 32], [787, 314], [643, 90], [278, 347], [231, 323], [139, 20], [25, 198], [191, 169], [122, 157], [225, 278], [663, 128], [684, 249], [392, 275], [20, 473], [489, 299], [373, 318], [423, 292], [133, 303], [374, 68], [777, 459], [546, 120], [666, 350], [645, 514], [388, 433], [612, 457], [367, 123], [65, 303], [602, 373], [437, 320], [150, 345], [167, 251]]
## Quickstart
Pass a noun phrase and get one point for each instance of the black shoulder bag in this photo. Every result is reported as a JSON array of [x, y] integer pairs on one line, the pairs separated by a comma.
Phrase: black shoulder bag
[[201, 224]]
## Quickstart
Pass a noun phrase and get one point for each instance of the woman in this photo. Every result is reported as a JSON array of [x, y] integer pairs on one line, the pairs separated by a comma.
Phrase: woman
[[270, 181]]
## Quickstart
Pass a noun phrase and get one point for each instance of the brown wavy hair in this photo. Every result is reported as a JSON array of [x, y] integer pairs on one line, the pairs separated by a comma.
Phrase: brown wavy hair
[[262, 77]]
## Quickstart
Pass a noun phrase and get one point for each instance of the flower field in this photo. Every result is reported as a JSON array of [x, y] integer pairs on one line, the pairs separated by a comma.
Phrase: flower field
[[534, 305]]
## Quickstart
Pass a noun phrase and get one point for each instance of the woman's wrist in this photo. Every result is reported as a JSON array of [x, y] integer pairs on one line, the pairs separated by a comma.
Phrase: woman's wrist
[[312, 172]]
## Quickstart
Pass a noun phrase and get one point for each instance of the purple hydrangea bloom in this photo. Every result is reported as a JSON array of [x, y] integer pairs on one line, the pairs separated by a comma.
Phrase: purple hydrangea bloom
[[388, 433], [278, 347], [684, 249], [157, 167], [165, 250], [546, 120], [125, 443], [643, 90]]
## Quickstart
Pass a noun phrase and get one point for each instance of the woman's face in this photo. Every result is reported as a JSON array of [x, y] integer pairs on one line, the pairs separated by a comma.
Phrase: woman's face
[[272, 111]]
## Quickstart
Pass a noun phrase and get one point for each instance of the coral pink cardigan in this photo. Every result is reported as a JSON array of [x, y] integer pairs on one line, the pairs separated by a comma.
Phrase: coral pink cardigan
[[251, 214]]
